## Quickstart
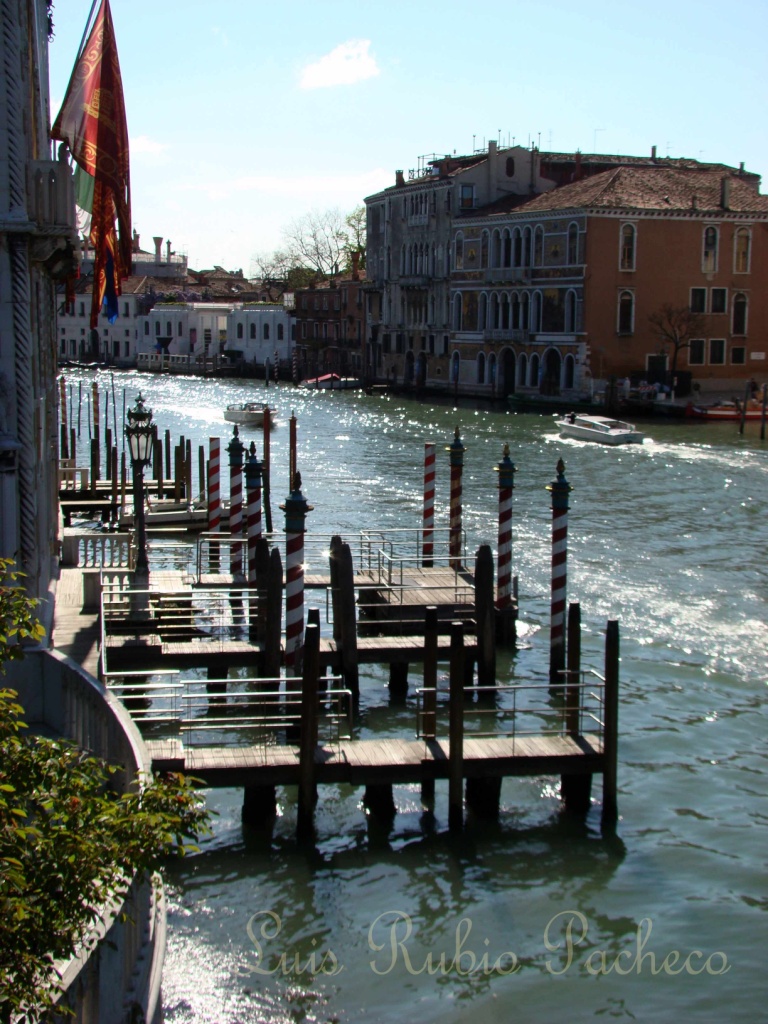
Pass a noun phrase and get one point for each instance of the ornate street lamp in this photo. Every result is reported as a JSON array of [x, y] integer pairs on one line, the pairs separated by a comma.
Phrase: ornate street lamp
[[140, 432]]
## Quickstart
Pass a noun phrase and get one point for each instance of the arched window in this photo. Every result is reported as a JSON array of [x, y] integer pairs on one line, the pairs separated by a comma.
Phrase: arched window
[[526, 248], [709, 255], [157, 328], [533, 371], [168, 329], [741, 248], [515, 311], [505, 312], [265, 331], [482, 321], [280, 332], [402, 259], [481, 368], [496, 248], [239, 330], [538, 246], [626, 318], [522, 368], [252, 331], [627, 255], [146, 326], [506, 248], [495, 312], [491, 373], [525, 312], [573, 244], [536, 312], [739, 314]]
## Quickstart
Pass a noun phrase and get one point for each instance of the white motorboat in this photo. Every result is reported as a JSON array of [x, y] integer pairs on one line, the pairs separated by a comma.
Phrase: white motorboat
[[247, 414], [601, 429]]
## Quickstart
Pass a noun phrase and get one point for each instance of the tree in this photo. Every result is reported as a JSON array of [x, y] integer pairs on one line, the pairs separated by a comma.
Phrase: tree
[[676, 327], [69, 843], [356, 235], [325, 241]]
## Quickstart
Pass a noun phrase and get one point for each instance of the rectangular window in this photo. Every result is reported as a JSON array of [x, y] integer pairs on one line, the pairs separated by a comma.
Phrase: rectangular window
[[738, 355], [696, 352], [717, 351], [467, 197], [719, 300], [698, 300]]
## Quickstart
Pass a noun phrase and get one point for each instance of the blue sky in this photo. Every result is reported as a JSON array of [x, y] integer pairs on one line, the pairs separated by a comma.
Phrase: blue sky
[[244, 115]]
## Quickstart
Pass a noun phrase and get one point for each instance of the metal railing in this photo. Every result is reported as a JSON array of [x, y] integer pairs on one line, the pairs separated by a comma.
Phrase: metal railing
[[516, 711]]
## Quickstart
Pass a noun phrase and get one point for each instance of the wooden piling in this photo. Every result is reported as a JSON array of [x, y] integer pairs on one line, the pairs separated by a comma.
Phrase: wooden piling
[[259, 806], [333, 575], [573, 689], [188, 471], [72, 444], [157, 461], [611, 724], [265, 472], [483, 796], [63, 443], [429, 694], [292, 459], [456, 729], [168, 467], [485, 617], [309, 729], [274, 602], [201, 472], [346, 585], [95, 469], [177, 473], [115, 480], [380, 802], [108, 453]]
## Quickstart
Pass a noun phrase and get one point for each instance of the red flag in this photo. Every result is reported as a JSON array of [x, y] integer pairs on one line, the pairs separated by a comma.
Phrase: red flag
[[93, 124]]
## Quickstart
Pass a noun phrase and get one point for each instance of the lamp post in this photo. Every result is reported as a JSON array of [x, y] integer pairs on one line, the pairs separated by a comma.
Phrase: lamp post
[[140, 432]]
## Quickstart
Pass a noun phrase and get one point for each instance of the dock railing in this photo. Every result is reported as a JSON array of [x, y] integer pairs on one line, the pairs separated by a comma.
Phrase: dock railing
[[517, 711]]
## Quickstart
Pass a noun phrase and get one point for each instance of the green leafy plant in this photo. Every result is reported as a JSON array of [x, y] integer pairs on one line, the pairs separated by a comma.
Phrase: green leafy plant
[[17, 614]]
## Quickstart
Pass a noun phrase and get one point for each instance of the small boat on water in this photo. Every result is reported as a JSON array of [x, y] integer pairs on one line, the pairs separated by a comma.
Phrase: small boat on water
[[332, 382], [725, 411], [247, 414], [601, 429]]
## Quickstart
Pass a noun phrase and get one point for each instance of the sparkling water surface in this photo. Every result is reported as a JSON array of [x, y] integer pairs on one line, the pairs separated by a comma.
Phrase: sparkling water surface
[[553, 921]]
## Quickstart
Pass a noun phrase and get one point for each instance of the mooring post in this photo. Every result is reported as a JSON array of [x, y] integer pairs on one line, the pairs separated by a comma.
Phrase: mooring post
[[429, 691], [265, 469], [333, 572], [611, 724], [235, 450], [107, 452], [188, 496], [96, 409], [259, 806], [485, 617], [505, 618], [201, 471], [157, 465], [292, 464], [559, 489], [73, 446], [94, 465], [296, 508], [456, 450], [309, 729], [346, 584], [573, 689], [123, 479], [253, 486], [428, 520], [177, 469], [456, 729], [115, 483], [214, 499], [168, 465]]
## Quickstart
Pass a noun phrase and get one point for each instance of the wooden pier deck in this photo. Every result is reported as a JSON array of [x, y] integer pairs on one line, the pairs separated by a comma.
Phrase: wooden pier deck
[[381, 761]]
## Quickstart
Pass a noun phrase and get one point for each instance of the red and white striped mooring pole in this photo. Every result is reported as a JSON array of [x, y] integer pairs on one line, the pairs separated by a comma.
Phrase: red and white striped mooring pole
[[295, 509], [506, 471], [235, 449], [428, 532], [214, 495], [253, 521], [456, 450], [559, 489]]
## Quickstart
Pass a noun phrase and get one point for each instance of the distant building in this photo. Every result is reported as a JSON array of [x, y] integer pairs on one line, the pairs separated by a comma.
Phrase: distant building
[[331, 325], [515, 270], [259, 333]]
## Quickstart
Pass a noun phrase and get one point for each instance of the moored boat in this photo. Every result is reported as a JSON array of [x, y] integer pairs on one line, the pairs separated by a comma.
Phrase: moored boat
[[728, 411], [247, 414], [601, 429], [332, 382]]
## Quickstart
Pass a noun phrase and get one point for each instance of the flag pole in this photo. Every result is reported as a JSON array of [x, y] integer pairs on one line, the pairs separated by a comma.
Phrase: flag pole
[[85, 33]]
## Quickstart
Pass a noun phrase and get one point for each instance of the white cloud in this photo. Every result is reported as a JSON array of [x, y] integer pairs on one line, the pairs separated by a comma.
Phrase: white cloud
[[143, 144], [350, 62]]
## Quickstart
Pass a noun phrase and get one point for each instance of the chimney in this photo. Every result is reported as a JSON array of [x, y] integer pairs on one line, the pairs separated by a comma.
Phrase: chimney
[[157, 239], [653, 152], [168, 249], [355, 266], [492, 162], [725, 192], [135, 247], [741, 167], [399, 179], [578, 172]]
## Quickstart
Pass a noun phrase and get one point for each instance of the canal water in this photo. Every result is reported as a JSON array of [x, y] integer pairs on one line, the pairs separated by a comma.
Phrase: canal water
[[537, 917]]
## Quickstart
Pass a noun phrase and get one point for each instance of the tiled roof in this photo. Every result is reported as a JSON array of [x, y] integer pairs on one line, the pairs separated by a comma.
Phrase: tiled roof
[[647, 188]]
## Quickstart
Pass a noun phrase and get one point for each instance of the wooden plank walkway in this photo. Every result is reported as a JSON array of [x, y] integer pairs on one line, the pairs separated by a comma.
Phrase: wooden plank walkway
[[390, 760], [410, 593], [392, 650], [76, 632]]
